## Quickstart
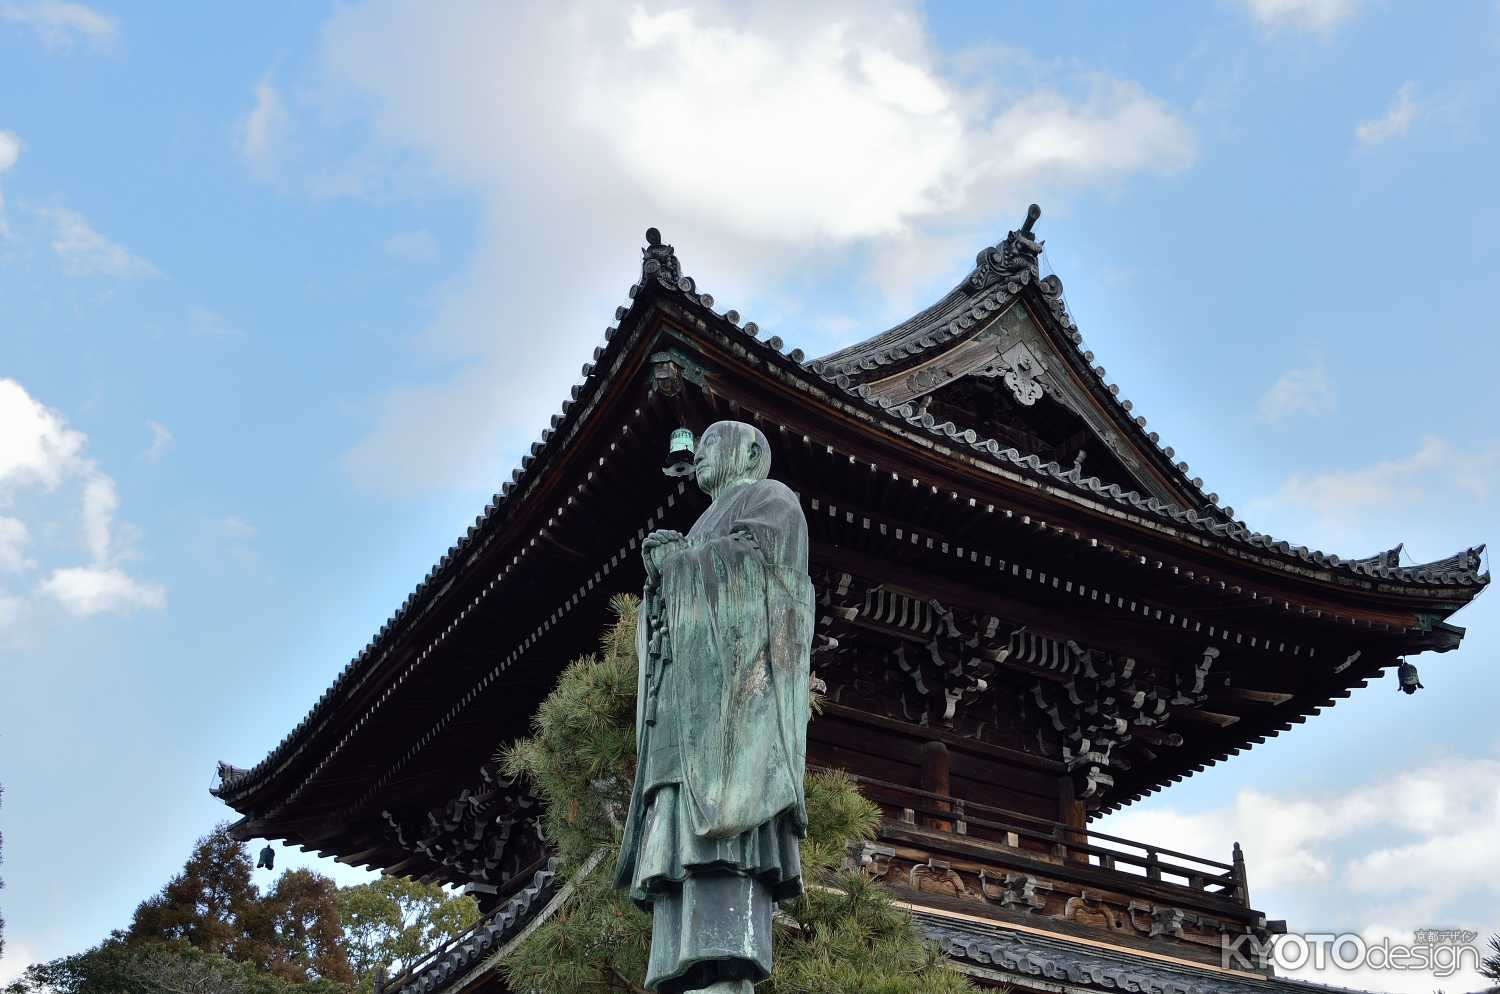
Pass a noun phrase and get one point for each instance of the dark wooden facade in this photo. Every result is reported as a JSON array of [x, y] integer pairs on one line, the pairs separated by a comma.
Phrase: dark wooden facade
[[1029, 613]]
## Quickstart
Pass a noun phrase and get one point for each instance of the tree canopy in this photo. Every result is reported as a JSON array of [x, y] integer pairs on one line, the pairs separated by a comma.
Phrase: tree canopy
[[393, 922], [211, 930], [843, 936]]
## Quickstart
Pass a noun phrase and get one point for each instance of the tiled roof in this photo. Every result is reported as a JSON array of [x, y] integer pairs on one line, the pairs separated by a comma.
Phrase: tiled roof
[[503, 925], [1461, 569], [1026, 955], [1021, 954], [662, 270]]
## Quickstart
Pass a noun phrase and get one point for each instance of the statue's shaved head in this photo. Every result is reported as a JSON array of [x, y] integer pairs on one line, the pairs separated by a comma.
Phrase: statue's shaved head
[[731, 452]]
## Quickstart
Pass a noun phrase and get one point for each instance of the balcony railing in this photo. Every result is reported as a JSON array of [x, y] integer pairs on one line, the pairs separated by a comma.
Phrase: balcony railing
[[1056, 843]]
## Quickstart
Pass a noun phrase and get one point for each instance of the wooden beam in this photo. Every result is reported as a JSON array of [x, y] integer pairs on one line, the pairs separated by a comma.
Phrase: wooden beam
[[1205, 717], [1246, 694]]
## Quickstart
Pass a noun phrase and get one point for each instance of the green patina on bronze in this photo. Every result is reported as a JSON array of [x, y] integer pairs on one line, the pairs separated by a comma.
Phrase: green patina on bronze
[[712, 836]]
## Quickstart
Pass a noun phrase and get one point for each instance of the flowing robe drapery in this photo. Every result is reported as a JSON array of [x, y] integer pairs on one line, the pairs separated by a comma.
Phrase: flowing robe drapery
[[723, 645]]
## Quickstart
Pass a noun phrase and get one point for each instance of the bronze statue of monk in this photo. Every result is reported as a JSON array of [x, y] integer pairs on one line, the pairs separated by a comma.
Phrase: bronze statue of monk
[[711, 838]]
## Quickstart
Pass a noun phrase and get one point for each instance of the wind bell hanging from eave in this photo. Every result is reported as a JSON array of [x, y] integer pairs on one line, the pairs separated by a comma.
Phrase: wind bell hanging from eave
[[267, 859]]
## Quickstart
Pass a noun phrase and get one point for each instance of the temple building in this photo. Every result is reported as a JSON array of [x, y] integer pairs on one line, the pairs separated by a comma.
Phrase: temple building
[[1030, 613]]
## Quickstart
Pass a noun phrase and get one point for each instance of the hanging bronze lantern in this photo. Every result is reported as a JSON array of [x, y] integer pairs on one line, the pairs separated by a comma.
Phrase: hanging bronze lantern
[[1407, 680], [267, 859], [679, 461]]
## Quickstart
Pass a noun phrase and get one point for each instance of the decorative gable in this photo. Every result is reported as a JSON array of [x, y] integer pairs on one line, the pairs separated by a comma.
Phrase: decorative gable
[[999, 355], [1010, 381]]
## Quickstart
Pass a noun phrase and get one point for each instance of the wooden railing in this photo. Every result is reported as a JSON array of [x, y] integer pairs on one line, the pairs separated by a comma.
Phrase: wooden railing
[[1031, 837], [1061, 843]]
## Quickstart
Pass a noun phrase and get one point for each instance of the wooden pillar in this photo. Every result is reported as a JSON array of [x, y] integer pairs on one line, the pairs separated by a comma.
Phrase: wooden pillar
[[1074, 816], [936, 763], [1241, 886]]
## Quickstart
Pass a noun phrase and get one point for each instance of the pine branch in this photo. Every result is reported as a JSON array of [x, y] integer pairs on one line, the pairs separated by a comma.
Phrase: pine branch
[[626, 983]]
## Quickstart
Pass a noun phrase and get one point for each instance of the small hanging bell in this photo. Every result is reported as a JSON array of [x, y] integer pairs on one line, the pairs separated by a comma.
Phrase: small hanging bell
[[267, 859], [1407, 680]]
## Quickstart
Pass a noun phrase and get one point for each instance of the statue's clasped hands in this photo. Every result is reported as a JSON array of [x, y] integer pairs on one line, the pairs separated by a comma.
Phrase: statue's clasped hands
[[660, 546]]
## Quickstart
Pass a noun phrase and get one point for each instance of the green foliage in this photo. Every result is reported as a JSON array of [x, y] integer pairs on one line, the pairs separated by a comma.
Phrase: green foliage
[[393, 922], [117, 966], [304, 939], [213, 906], [1490, 967], [843, 935], [210, 930], [581, 756]]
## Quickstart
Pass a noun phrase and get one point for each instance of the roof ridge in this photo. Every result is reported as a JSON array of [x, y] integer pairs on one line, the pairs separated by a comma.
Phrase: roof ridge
[[1000, 274]]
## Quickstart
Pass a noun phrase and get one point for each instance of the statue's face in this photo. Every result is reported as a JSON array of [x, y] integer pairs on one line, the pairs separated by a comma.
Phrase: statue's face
[[712, 459], [724, 455]]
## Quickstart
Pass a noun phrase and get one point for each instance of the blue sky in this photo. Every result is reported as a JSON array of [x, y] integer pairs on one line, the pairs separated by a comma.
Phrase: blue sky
[[285, 292]]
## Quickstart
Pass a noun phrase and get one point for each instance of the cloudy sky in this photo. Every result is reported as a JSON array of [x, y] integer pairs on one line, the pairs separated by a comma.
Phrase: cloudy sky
[[285, 290]]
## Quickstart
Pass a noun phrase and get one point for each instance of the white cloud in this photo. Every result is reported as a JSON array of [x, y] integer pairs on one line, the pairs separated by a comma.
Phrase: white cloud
[[162, 442], [1319, 16], [756, 138], [1418, 845], [411, 246], [10, 610], [1436, 497], [38, 451], [100, 500], [1396, 121], [90, 590], [204, 323], [36, 445], [10, 153], [18, 956], [238, 529], [238, 539], [1305, 390], [10, 149], [85, 252], [61, 25], [14, 536], [263, 127], [1427, 477]]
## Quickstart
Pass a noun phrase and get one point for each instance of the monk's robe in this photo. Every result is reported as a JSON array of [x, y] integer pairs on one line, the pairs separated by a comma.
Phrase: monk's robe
[[711, 838]]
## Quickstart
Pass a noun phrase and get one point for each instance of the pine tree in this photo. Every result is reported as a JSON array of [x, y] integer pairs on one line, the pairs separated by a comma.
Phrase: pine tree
[[1490, 967], [844, 936]]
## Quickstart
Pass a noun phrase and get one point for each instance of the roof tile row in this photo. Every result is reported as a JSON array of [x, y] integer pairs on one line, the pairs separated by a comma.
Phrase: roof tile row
[[503, 925]]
